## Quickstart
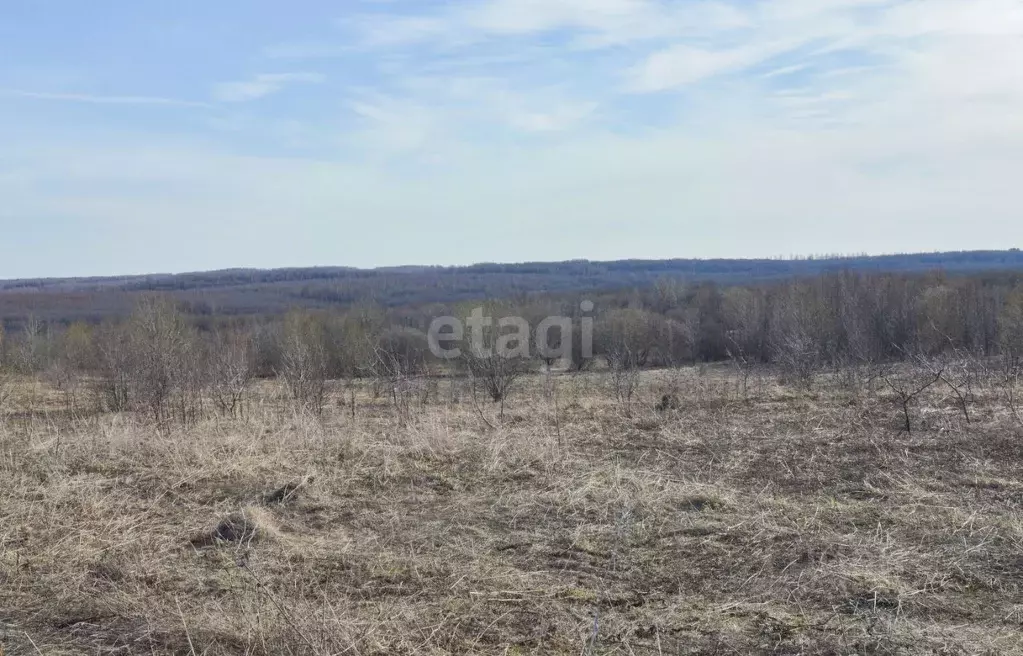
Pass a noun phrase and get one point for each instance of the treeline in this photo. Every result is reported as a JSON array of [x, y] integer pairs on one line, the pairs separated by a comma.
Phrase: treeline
[[251, 292], [710, 270], [166, 362]]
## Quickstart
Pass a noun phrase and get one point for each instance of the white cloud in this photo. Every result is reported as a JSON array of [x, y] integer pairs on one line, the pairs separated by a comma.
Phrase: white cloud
[[786, 70], [683, 65], [953, 17], [526, 16], [401, 30], [94, 99], [555, 118], [390, 126], [262, 86], [306, 50], [598, 23], [897, 32]]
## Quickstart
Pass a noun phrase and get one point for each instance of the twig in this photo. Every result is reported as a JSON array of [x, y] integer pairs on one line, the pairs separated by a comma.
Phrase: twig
[[191, 645], [283, 611]]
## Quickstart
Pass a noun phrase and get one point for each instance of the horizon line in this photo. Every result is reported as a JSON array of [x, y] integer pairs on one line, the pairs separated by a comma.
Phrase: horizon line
[[818, 257]]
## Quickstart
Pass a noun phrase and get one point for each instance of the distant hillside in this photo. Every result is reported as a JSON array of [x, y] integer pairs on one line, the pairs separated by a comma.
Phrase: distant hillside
[[254, 291]]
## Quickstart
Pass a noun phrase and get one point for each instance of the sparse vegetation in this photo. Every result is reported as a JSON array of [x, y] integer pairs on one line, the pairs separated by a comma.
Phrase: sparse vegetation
[[843, 480], [794, 522]]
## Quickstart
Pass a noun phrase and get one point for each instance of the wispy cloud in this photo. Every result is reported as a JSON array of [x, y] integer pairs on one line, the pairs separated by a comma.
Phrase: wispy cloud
[[596, 23], [99, 99], [786, 70], [552, 118], [395, 126], [306, 50], [684, 65], [718, 127], [262, 85]]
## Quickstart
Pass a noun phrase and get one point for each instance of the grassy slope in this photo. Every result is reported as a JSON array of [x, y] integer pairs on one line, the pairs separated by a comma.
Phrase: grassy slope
[[795, 523]]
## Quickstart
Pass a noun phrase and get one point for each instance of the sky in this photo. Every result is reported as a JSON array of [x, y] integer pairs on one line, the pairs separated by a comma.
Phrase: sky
[[142, 137]]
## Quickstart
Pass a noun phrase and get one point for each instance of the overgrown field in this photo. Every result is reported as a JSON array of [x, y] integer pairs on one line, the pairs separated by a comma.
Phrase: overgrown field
[[776, 521]]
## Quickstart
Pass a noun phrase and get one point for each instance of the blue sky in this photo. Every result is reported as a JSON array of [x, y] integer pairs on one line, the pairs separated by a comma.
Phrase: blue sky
[[142, 137]]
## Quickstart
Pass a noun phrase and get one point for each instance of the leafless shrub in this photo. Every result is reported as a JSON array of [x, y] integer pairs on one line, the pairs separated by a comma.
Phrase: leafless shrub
[[29, 349], [231, 370], [849, 376], [637, 332], [744, 341], [73, 356], [304, 361], [797, 357], [152, 364], [352, 341], [65, 379], [1009, 377], [1010, 327], [581, 359], [623, 375], [908, 382], [493, 374], [670, 390], [960, 373], [549, 344], [114, 383], [161, 359], [192, 379], [744, 364], [6, 389], [551, 394], [1010, 330], [401, 365], [491, 363]]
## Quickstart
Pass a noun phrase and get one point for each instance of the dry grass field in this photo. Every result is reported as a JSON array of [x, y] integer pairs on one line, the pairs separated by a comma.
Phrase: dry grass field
[[791, 522]]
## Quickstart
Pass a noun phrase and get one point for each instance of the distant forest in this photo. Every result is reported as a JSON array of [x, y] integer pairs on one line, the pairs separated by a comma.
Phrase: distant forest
[[262, 293], [151, 342]]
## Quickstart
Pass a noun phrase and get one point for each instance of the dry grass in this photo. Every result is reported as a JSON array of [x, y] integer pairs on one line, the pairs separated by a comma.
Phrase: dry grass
[[793, 523]]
